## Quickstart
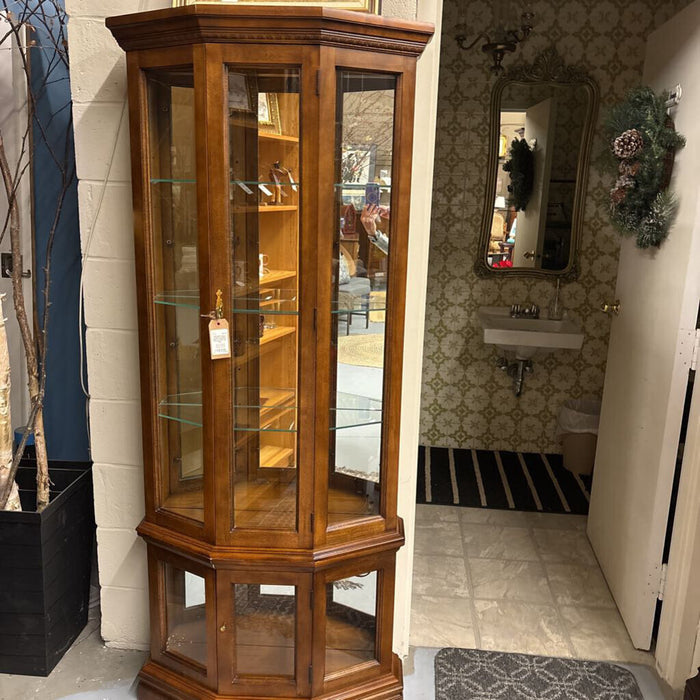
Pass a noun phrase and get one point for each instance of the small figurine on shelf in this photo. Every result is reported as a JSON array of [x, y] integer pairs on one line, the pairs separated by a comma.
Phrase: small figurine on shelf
[[278, 172], [266, 195]]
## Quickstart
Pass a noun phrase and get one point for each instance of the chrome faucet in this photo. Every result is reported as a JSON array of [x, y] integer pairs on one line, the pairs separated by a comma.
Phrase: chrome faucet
[[524, 311]]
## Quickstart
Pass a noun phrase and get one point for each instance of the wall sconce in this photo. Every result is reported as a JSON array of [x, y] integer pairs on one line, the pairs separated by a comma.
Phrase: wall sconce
[[504, 38]]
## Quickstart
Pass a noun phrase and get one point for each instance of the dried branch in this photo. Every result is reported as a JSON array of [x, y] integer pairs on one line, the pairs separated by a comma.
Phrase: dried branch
[[44, 21]]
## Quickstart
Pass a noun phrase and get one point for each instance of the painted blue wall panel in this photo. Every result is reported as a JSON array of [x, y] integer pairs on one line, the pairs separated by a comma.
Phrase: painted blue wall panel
[[64, 413]]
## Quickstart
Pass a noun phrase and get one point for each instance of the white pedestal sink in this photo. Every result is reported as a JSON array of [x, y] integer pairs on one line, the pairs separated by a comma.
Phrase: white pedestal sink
[[526, 336]]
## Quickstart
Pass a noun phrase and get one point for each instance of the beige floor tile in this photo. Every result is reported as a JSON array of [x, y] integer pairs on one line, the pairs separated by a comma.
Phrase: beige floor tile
[[524, 581], [439, 576], [564, 546], [496, 542], [442, 622], [601, 635], [432, 514], [444, 538], [557, 521], [574, 584], [527, 628], [487, 516]]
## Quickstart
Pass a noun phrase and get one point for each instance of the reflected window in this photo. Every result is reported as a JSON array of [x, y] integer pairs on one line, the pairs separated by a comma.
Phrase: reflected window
[[360, 268], [186, 619], [351, 621]]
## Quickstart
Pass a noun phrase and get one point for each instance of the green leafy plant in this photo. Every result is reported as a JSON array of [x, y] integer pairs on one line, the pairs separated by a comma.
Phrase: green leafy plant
[[643, 142], [521, 166]]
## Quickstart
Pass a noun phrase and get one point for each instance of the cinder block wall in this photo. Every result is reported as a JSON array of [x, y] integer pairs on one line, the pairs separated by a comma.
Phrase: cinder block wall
[[98, 84]]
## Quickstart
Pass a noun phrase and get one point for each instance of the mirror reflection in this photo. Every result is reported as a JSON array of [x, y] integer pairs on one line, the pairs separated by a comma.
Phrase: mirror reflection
[[540, 141]]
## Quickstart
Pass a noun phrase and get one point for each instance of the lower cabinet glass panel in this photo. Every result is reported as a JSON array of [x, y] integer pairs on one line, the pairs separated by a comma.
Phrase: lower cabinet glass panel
[[265, 630], [351, 621], [186, 619]]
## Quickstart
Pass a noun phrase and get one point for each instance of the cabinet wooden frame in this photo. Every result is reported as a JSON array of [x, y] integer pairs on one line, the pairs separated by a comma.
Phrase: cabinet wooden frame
[[318, 45], [244, 685]]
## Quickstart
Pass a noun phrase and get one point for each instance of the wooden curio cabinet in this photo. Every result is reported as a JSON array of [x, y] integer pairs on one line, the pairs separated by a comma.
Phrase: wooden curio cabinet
[[267, 145]]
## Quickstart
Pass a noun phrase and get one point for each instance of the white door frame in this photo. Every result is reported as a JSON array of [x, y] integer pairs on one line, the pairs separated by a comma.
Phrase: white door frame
[[428, 70], [676, 646]]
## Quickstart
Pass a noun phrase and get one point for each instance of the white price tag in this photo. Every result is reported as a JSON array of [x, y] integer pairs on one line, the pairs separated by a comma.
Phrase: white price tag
[[264, 190], [219, 339], [244, 187]]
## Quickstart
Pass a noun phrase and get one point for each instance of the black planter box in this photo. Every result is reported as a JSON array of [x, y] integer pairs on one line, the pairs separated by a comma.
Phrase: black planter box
[[45, 561]]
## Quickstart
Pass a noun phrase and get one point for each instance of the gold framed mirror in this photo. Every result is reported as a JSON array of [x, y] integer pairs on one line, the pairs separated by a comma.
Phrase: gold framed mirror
[[542, 119]]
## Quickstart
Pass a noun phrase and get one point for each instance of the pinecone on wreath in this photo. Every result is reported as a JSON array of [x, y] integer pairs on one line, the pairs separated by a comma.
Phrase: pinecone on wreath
[[617, 196], [628, 144], [629, 169]]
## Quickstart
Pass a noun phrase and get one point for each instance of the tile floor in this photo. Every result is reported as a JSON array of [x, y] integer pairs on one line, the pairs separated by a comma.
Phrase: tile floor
[[524, 582], [513, 581]]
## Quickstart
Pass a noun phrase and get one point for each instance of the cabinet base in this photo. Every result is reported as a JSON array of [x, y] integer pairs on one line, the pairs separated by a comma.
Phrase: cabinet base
[[159, 683]]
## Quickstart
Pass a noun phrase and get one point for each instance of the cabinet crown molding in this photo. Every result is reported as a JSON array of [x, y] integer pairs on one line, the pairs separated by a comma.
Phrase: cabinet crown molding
[[216, 24]]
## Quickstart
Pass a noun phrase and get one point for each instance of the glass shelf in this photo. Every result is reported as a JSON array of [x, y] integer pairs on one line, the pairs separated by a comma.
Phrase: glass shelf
[[353, 411], [182, 408], [360, 186], [360, 304], [255, 183], [273, 409], [268, 409], [270, 302], [182, 299], [262, 299]]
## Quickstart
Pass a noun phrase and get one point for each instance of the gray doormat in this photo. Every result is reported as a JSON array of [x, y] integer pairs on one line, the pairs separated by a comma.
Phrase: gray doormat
[[470, 674]]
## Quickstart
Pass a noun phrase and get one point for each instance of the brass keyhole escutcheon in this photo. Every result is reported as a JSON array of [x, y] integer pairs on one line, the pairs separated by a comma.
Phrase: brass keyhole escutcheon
[[611, 309]]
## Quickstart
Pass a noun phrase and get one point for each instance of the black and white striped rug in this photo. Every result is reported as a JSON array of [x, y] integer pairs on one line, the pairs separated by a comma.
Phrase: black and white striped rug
[[498, 479]]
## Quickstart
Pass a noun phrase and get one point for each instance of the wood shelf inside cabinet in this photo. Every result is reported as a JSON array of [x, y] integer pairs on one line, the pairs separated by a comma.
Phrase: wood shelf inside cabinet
[[274, 276], [276, 333], [268, 209], [273, 457], [266, 136]]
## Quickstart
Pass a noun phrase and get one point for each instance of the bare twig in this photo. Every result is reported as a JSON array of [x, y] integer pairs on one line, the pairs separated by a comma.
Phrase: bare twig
[[44, 21]]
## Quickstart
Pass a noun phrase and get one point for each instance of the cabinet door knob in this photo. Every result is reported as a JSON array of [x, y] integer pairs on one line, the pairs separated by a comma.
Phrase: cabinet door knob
[[611, 309], [222, 628]]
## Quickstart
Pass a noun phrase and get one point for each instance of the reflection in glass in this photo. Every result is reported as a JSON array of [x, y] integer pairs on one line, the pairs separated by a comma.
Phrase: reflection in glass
[[536, 232], [263, 117], [351, 621], [186, 620], [265, 630], [174, 224], [365, 128]]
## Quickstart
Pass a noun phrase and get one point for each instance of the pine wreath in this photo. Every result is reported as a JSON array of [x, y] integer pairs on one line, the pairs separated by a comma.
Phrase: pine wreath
[[521, 167], [643, 142]]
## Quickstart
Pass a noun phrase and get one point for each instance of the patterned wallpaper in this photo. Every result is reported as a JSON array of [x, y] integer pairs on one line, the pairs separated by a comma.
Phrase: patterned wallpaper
[[467, 401]]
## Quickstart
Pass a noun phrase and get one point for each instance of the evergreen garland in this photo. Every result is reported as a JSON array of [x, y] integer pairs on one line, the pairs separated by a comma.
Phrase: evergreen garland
[[521, 167], [643, 143]]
